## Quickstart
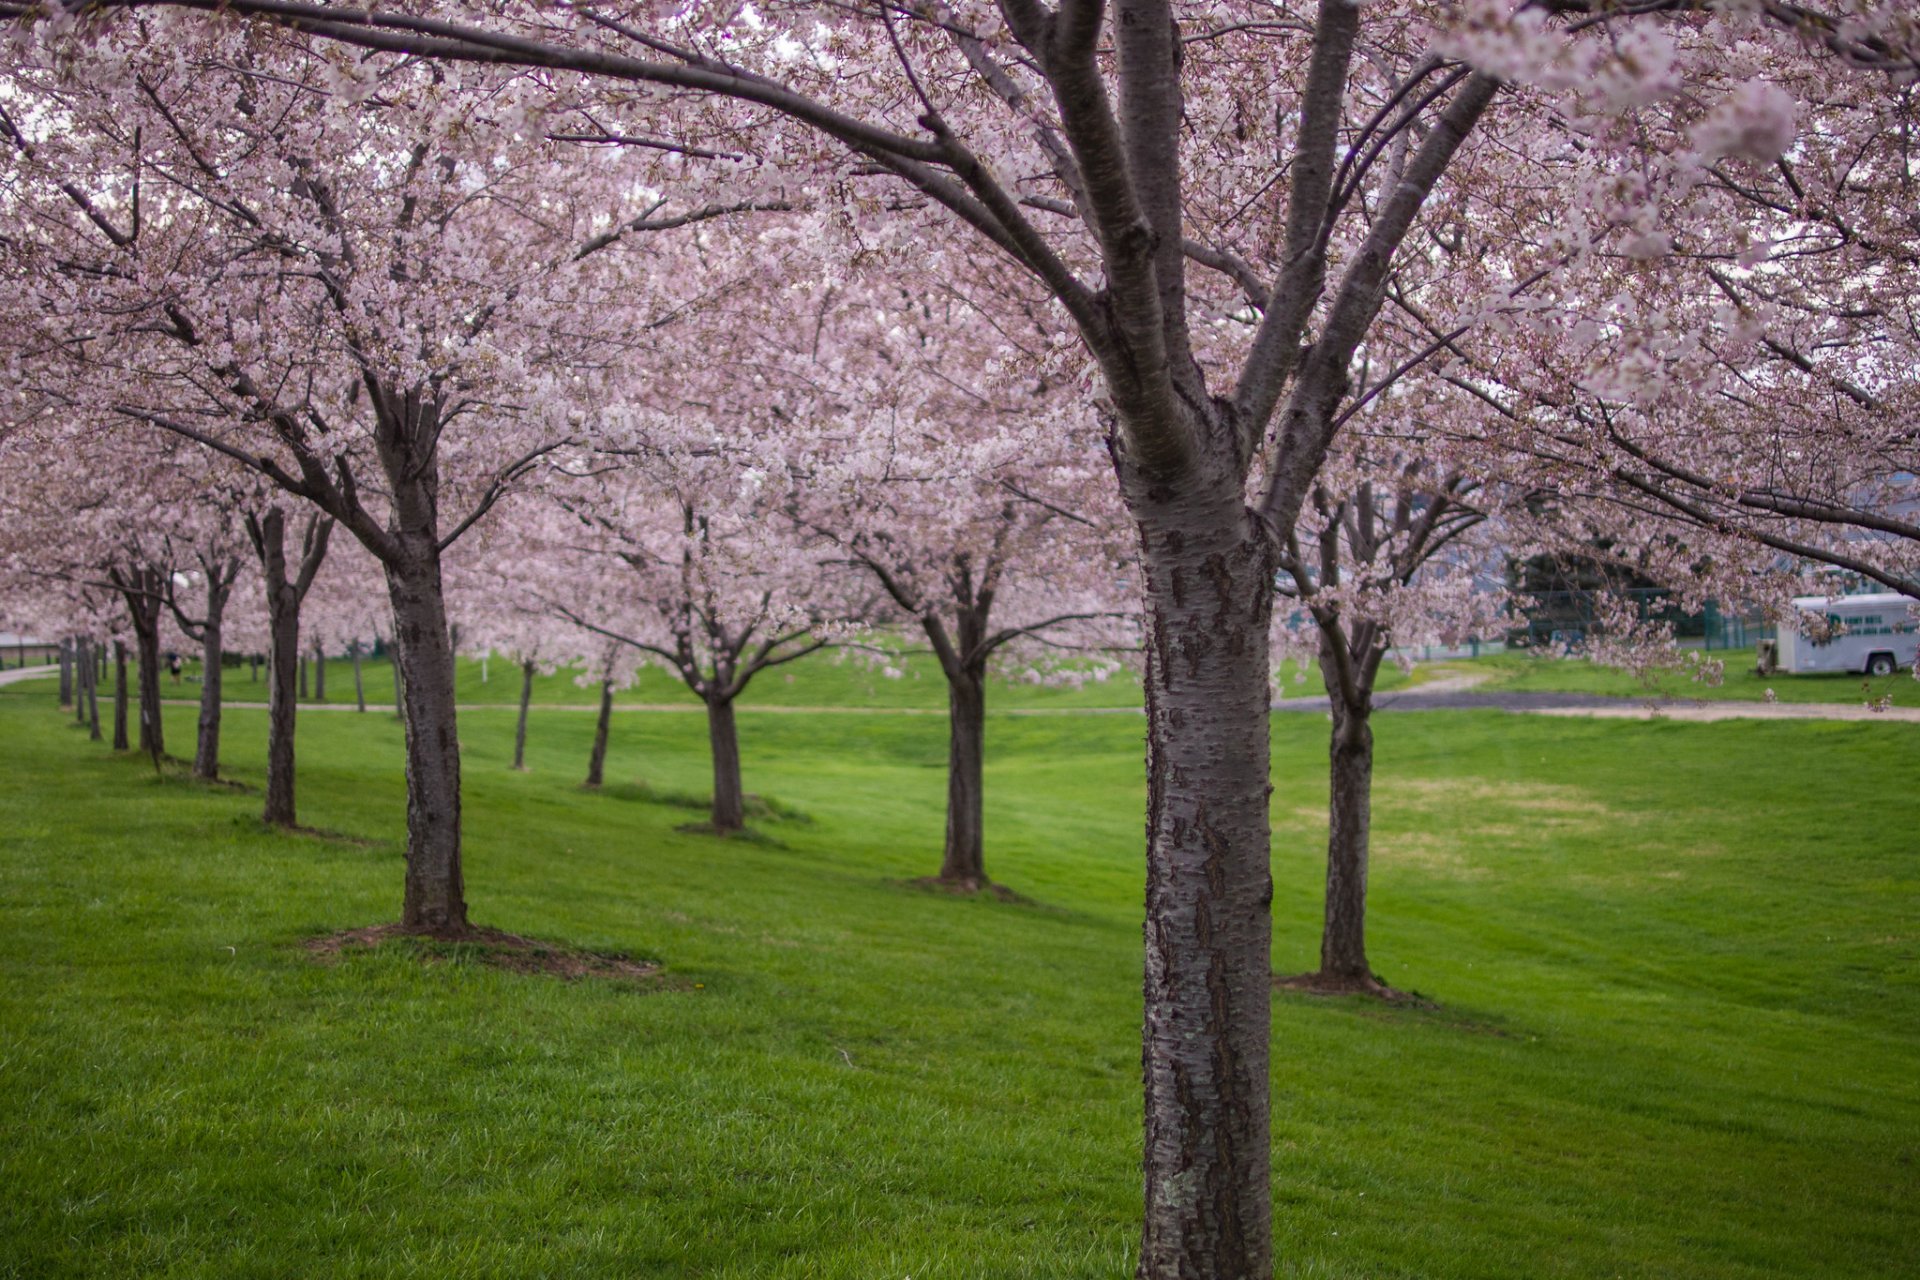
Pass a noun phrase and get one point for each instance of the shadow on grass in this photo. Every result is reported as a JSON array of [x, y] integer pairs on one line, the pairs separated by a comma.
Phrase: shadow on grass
[[766, 808], [253, 822], [1403, 1008]]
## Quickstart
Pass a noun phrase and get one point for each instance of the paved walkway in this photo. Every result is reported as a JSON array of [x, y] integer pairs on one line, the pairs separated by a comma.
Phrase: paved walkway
[[28, 673], [1602, 706]]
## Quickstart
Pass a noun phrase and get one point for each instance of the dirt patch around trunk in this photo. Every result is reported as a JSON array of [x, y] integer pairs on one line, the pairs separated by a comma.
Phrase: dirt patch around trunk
[[1322, 984], [492, 947]]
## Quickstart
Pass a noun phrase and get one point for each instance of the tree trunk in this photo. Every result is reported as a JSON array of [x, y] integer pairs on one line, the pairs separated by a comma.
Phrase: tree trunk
[[253, 665], [286, 588], [305, 688], [526, 700], [206, 749], [82, 667], [597, 762], [319, 674], [93, 694], [435, 892], [119, 695], [143, 603], [1209, 587], [153, 734], [66, 673], [729, 797], [359, 682], [1343, 941], [283, 648], [964, 863]]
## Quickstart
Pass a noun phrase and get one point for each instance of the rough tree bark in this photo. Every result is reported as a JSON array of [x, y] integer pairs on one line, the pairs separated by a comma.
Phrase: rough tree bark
[[82, 668], [143, 588], [283, 701], [729, 812], [435, 889], [219, 574], [964, 861], [120, 695], [399, 693], [1343, 938], [93, 694], [597, 761], [66, 673], [286, 590], [1209, 575], [526, 701]]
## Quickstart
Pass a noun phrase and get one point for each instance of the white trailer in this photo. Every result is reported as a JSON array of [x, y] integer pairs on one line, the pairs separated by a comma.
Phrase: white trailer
[[1868, 635]]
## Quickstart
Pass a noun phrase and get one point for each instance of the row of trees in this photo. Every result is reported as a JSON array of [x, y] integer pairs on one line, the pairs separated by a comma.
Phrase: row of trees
[[718, 335]]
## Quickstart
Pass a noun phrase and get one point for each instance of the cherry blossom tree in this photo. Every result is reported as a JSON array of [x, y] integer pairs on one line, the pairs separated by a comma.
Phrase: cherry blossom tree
[[929, 442], [1384, 555], [710, 589]]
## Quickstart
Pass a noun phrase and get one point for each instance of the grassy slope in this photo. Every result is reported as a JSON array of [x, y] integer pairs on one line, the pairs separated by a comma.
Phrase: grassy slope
[[1679, 1030], [1530, 672]]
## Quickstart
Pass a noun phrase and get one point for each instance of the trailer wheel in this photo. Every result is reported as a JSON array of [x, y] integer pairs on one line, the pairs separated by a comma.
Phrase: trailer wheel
[[1880, 664]]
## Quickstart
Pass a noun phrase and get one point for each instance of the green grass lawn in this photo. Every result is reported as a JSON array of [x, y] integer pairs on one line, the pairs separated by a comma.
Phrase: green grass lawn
[[831, 678], [825, 679], [1529, 672], [1675, 967]]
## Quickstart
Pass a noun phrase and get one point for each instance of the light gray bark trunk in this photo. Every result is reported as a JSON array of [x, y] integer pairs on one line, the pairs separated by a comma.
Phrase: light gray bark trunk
[[1209, 886], [723, 737], [436, 889], [120, 695], [520, 729]]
